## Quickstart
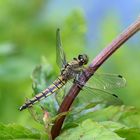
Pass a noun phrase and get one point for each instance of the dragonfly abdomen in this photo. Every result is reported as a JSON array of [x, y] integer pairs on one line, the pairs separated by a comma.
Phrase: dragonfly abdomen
[[57, 84]]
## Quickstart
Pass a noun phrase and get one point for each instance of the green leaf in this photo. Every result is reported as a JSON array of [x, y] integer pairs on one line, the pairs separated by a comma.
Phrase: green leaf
[[129, 133], [41, 76], [89, 130], [111, 113], [126, 115], [130, 116], [14, 131], [113, 126]]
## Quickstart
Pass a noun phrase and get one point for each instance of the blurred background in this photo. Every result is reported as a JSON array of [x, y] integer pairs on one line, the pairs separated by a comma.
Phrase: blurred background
[[27, 33]]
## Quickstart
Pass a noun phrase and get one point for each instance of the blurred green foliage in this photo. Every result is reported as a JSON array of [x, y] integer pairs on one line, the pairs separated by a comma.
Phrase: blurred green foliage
[[28, 36], [25, 38], [114, 122], [14, 131], [86, 132]]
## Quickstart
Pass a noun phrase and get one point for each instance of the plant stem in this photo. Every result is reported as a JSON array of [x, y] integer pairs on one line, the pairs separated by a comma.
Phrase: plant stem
[[95, 64]]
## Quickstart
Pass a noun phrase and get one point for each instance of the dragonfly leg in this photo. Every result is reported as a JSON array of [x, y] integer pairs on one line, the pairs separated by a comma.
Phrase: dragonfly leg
[[76, 81], [78, 84]]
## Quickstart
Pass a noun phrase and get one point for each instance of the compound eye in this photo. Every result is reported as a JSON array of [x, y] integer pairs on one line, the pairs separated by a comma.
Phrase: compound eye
[[79, 57]]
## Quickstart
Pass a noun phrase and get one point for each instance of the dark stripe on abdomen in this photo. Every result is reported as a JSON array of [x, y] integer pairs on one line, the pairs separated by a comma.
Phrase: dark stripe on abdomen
[[50, 90]]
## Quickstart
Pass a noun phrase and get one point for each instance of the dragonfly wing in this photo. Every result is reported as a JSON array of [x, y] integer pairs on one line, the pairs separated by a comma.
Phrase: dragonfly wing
[[107, 81], [92, 96], [60, 55], [104, 96]]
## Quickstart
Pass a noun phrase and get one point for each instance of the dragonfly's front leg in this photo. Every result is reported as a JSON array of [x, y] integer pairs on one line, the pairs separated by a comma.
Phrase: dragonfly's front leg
[[78, 72]]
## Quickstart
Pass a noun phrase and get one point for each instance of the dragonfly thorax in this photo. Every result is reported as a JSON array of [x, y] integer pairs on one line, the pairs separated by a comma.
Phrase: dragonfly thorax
[[69, 71], [74, 67]]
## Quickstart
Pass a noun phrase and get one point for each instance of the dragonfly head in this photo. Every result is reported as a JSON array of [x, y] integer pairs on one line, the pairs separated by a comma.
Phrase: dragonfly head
[[83, 59]]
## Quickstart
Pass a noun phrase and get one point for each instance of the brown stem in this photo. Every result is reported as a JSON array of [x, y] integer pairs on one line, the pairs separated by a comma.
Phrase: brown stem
[[95, 64]]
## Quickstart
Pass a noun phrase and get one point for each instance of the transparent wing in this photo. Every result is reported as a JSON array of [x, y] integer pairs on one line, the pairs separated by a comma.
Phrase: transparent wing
[[97, 89], [60, 55], [107, 81], [90, 96], [103, 96], [90, 99]]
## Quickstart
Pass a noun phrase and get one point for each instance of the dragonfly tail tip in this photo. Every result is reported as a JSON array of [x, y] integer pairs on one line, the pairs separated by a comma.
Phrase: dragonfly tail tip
[[22, 108]]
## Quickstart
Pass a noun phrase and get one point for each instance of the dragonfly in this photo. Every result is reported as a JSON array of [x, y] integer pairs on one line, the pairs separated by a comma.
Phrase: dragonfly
[[71, 71]]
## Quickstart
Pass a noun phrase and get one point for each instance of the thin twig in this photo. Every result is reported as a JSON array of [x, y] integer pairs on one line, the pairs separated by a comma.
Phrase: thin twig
[[95, 64]]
